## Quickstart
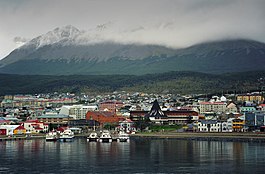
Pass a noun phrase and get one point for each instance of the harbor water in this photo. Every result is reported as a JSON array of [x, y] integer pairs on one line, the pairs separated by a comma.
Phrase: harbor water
[[137, 156]]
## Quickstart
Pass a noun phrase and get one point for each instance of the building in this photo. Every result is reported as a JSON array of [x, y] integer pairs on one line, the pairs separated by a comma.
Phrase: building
[[111, 106], [250, 97], [12, 130], [77, 111], [238, 125], [156, 115], [173, 117], [209, 126], [59, 119], [254, 120], [103, 117], [3, 121], [35, 126], [261, 107], [168, 116], [231, 108], [245, 109], [84, 124], [216, 107], [181, 116], [126, 126]]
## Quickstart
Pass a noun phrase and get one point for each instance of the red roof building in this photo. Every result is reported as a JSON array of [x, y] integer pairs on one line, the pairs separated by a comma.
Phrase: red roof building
[[111, 106], [103, 117]]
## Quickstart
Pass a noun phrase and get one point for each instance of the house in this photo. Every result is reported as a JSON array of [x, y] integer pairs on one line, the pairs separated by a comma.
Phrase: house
[[238, 125], [245, 109], [209, 126], [12, 130], [126, 126], [19, 130], [231, 108], [3, 121], [35, 126], [261, 107]]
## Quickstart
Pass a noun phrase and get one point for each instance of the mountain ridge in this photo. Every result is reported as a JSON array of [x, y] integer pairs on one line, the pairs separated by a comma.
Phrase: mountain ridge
[[62, 51]]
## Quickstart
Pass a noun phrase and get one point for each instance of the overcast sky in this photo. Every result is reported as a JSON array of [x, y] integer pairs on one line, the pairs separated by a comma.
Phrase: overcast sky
[[173, 23]]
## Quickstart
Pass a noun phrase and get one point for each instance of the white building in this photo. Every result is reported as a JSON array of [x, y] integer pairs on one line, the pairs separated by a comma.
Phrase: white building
[[35, 126], [231, 108], [216, 107], [9, 129], [209, 126], [77, 111]]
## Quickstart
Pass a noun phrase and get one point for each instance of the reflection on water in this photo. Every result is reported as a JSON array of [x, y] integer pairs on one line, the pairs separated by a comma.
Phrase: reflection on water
[[138, 156]]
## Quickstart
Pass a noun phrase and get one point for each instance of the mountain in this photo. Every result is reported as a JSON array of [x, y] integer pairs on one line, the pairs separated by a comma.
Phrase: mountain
[[67, 50]]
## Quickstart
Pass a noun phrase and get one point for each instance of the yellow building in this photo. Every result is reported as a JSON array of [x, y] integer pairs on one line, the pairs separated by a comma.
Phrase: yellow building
[[250, 97], [19, 130], [238, 125]]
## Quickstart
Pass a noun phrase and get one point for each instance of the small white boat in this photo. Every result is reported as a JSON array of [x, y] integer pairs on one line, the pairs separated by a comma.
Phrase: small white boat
[[67, 135], [105, 137], [93, 137], [123, 137], [52, 136]]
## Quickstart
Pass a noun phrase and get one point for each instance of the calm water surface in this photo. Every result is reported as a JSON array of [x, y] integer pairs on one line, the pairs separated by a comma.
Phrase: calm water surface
[[137, 156]]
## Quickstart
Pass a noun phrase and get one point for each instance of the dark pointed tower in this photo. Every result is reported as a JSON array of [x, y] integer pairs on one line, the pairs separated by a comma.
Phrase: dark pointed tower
[[156, 111]]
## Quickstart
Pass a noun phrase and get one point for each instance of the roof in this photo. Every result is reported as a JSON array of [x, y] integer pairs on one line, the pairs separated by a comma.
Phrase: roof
[[32, 121], [156, 111], [9, 126], [208, 121], [20, 127], [212, 103], [54, 116], [101, 113]]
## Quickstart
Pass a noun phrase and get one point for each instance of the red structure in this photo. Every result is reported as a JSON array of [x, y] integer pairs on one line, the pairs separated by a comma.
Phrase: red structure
[[103, 117], [110, 106]]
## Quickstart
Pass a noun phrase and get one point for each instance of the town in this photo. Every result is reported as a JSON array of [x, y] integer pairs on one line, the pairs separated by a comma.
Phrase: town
[[42, 113]]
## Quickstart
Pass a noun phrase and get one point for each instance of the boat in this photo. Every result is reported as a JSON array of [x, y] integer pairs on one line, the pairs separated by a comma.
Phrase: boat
[[105, 137], [52, 136], [93, 137], [67, 135], [123, 137]]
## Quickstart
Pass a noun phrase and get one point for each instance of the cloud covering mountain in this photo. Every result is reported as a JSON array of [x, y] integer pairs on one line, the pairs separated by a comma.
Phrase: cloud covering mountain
[[67, 50], [171, 23]]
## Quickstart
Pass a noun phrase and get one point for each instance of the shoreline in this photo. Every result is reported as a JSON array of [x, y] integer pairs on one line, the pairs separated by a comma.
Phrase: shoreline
[[204, 136], [196, 136]]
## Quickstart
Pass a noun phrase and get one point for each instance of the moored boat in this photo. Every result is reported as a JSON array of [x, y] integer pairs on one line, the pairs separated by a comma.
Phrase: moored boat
[[105, 136], [52, 136], [67, 135], [123, 137], [93, 137]]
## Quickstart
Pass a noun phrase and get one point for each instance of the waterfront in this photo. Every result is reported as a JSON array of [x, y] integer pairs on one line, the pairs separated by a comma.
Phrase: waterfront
[[141, 155]]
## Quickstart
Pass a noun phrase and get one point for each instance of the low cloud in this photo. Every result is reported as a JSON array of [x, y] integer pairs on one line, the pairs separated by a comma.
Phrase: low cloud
[[173, 23], [20, 40]]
